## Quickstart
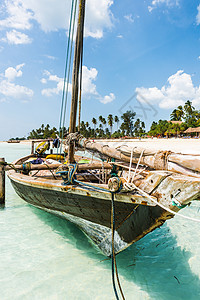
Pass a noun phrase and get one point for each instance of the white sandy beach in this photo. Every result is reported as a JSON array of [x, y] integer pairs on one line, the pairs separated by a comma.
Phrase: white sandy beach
[[186, 146]]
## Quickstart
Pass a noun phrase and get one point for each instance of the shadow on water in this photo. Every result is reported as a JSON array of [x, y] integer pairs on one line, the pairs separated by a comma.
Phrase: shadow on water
[[2, 206], [156, 263]]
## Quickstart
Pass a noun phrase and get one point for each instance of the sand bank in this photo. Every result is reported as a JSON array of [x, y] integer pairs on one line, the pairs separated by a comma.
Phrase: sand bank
[[185, 146]]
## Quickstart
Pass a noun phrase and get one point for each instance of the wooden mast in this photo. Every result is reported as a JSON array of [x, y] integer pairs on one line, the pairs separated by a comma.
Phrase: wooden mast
[[75, 75]]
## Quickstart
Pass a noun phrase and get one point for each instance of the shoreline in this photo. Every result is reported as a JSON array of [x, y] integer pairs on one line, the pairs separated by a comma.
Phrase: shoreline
[[179, 145]]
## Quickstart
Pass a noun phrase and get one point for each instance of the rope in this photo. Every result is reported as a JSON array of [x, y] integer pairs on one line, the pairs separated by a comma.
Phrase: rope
[[64, 100], [103, 171], [7, 164], [112, 246], [159, 204], [80, 91], [50, 171], [137, 165], [114, 263], [66, 64], [129, 171], [69, 68]]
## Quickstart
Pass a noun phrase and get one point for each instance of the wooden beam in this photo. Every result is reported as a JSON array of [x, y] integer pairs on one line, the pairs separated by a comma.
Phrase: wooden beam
[[75, 75], [80, 167]]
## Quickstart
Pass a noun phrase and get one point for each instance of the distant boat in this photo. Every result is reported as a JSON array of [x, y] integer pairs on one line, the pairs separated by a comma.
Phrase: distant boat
[[13, 141], [130, 189]]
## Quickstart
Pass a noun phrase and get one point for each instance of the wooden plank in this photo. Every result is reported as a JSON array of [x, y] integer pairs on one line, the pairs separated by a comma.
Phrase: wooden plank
[[80, 167]]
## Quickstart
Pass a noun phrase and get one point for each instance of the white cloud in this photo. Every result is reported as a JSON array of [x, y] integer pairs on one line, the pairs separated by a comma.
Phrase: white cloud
[[16, 37], [89, 76], [9, 89], [129, 18], [13, 90], [120, 36], [179, 89], [89, 88], [51, 16], [43, 80], [168, 3], [50, 57], [11, 73], [52, 91], [19, 16], [108, 98], [198, 15]]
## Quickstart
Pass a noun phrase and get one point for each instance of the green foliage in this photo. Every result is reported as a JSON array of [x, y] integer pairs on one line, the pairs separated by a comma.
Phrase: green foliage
[[127, 124], [189, 116], [177, 114], [110, 122], [44, 132]]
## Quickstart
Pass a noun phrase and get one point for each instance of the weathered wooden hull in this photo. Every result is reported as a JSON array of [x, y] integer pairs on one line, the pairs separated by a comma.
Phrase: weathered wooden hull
[[91, 210]]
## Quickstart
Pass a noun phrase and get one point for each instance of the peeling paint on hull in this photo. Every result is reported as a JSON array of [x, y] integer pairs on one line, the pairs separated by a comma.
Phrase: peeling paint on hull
[[92, 214]]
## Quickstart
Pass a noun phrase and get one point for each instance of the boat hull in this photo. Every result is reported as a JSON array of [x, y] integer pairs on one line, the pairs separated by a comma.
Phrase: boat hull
[[91, 211]]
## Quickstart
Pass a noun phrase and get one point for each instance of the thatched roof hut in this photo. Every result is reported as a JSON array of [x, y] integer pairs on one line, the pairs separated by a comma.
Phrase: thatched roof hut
[[175, 122], [192, 130]]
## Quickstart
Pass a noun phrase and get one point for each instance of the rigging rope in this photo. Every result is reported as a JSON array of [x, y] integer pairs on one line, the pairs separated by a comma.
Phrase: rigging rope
[[137, 166], [66, 66], [67, 71]]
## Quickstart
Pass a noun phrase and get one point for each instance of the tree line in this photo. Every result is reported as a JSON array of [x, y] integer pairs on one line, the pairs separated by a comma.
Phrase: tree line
[[186, 115], [128, 125], [100, 127]]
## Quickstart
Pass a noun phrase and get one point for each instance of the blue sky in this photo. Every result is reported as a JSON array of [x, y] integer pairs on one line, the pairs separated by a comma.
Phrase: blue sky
[[139, 55]]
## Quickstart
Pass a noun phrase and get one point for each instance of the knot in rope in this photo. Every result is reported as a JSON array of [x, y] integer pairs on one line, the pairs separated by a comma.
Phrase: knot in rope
[[26, 167], [69, 175], [73, 138], [115, 184]]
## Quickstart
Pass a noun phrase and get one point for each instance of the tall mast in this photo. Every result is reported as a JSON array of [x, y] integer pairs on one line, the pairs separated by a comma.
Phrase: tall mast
[[75, 75]]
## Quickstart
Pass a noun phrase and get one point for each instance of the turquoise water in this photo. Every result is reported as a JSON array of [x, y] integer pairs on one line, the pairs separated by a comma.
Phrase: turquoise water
[[45, 257]]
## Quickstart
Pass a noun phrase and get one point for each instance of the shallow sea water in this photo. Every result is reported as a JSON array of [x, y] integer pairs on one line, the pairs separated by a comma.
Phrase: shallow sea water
[[45, 257]]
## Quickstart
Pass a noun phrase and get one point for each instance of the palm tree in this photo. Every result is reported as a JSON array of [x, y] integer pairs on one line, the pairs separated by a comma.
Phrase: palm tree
[[117, 121], [42, 128], [100, 119], [177, 114], [104, 121], [94, 121], [127, 124], [110, 122]]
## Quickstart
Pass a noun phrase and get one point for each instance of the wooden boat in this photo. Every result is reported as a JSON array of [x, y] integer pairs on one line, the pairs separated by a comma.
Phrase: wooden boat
[[135, 190], [13, 141]]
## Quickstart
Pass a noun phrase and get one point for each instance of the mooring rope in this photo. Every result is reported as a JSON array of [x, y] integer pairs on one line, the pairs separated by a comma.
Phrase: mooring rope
[[10, 165], [113, 247], [114, 263]]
